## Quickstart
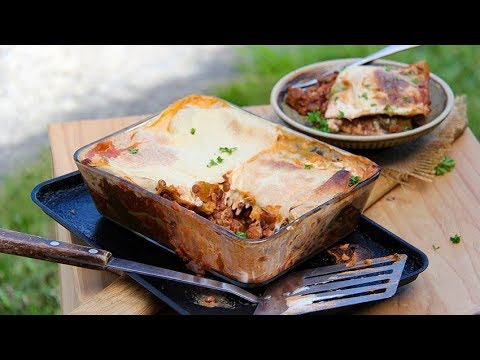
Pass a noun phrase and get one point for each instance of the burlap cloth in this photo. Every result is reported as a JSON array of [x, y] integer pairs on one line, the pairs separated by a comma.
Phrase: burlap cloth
[[418, 159]]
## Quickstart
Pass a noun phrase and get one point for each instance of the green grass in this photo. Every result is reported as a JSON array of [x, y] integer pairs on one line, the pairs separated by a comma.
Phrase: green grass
[[260, 67], [27, 286]]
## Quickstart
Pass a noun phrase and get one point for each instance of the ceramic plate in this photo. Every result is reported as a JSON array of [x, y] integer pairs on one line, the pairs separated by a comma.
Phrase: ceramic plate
[[441, 97]]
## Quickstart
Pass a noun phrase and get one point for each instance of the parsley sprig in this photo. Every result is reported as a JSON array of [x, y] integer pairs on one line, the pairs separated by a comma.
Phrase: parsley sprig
[[446, 165], [455, 238], [212, 163], [353, 180], [318, 121], [241, 234], [215, 162], [388, 108], [218, 160], [229, 151]]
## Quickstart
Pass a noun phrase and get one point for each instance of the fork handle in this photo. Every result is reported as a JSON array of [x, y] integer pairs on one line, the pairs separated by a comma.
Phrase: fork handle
[[389, 50]]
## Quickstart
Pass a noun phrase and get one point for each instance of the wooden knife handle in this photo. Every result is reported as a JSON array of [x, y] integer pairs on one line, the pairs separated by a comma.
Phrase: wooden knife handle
[[16, 243]]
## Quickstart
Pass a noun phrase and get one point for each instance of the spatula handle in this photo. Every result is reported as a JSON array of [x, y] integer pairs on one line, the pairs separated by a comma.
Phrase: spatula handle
[[16, 243], [389, 50]]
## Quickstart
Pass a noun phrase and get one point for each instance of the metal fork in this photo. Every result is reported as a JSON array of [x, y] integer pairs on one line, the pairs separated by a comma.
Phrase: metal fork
[[389, 50]]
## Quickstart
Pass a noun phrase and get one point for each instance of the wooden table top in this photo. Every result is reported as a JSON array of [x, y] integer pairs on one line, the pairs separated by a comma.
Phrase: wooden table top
[[424, 214]]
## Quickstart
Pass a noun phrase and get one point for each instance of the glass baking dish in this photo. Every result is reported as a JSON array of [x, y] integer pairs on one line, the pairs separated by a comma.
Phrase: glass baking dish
[[211, 247]]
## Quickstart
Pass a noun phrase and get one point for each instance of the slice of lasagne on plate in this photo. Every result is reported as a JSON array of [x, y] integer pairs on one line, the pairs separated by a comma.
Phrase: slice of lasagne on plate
[[368, 100]]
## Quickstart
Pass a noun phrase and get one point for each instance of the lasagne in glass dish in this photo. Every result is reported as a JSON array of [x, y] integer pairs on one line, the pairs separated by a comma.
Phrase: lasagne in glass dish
[[226, 190]]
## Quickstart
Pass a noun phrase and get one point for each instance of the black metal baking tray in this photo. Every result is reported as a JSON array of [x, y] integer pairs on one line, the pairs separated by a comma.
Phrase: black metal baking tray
[[66, 199]]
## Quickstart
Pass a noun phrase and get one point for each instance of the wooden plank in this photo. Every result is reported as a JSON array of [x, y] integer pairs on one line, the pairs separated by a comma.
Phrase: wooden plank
[[67, 137], [79, 285], [425, 214], [121, 298]]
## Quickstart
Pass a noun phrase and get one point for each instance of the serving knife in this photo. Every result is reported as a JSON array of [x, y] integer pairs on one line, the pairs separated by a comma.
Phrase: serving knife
[[298, 292]]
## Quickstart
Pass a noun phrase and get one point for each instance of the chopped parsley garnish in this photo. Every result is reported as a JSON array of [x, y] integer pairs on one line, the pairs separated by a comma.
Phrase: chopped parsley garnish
[[212, 163], [343, 67], [336, 98], [365, 96], [446, 165], [241, 234], [397, 78], [372, 105], [227, 150], [314, 116], [388, 68], [455, 238], [388, 108], [367, 86], [353, 180], [407, 99], [415, 81], [435, 247], [409, 72], [323, 126], [133, 151], [215, 162], [318, 121], [192, 131], [406, 128], [341, 115], [308, 166]]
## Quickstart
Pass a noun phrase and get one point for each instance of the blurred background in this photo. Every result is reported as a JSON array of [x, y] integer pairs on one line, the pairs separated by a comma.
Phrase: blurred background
[[43, 84]]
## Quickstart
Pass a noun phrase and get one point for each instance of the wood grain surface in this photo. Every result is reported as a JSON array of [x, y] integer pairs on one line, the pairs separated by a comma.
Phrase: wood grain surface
[[424, 214], [77, 286], [123, 296]]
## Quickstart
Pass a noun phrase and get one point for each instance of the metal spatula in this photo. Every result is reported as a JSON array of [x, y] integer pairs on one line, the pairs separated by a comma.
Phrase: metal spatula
[[335, 286], [295, 293]]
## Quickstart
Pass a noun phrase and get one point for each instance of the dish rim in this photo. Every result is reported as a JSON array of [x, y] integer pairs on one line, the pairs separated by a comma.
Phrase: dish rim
[[279, 85]]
